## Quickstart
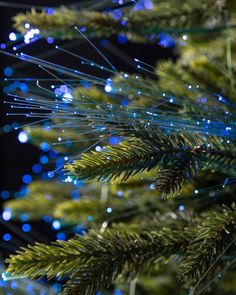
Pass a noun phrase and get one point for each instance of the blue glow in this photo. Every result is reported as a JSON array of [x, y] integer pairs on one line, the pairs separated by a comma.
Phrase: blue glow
[[120, 194], [12, 36], [61, 236], [90, 218], [14, 284], [26, 227], [166, 40], [83, 29], [51, 174], [50, 40], [37, 168], [57, 288], [118, 292], [27, 179], [109, 210], [8, 71], [23, 137], [44, 146], [24, 88], [181, 208], [43, 160], [24, 217], [5, 195], [56, 224], [3, 46], [47, 218], [122, 39], [75, 195], [6, 215], [143, 4], [6, 237], [49, 10]]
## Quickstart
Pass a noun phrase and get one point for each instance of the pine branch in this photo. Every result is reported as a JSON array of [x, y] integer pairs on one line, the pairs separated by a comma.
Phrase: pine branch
[[95, 260], [176, 159], [187, 17], [41, 200], [214, 234]]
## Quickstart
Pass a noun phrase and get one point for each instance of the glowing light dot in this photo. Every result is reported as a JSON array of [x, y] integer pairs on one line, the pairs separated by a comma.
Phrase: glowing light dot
[[56, 224], [185, 37], [98, 148], [27, 26], [8, 71], [61, 236], [6, 215], [27, 179], [171, 100], [12, 36], [23, 137], [109, 210], [152, 186], [108, 88], [181, 208], [26, 227], [6, 237], [196, 191]]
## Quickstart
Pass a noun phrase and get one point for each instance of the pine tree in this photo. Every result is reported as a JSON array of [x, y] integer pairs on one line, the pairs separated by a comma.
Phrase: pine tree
[[158, 206]]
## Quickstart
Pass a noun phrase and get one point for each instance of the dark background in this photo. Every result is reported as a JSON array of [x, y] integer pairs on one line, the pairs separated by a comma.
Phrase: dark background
[[16, 158]]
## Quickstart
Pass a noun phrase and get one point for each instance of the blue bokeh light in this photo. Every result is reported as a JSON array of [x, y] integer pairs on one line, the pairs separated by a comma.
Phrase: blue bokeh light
[[27, 179], [26, 227]]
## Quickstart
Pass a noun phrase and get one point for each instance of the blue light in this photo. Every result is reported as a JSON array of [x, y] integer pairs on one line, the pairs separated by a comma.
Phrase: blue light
[[3, 46], [14, 284], [6, 215], [109, 210], [37, 168], [56, 224], [7, 237], [90, 218], [27, 179], [50, 40], [23, 137], [43, 160], [181, 208], [122, 39], [75, 195], [118, 292], [5, 195], [24, 217], [47, 218], [143, 4], [49, 10], [12, 36], [61, 236], [120, 194], [8, 71], [83, 29], [51, 174], [44, 146], [24, 88], [26, 227]]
